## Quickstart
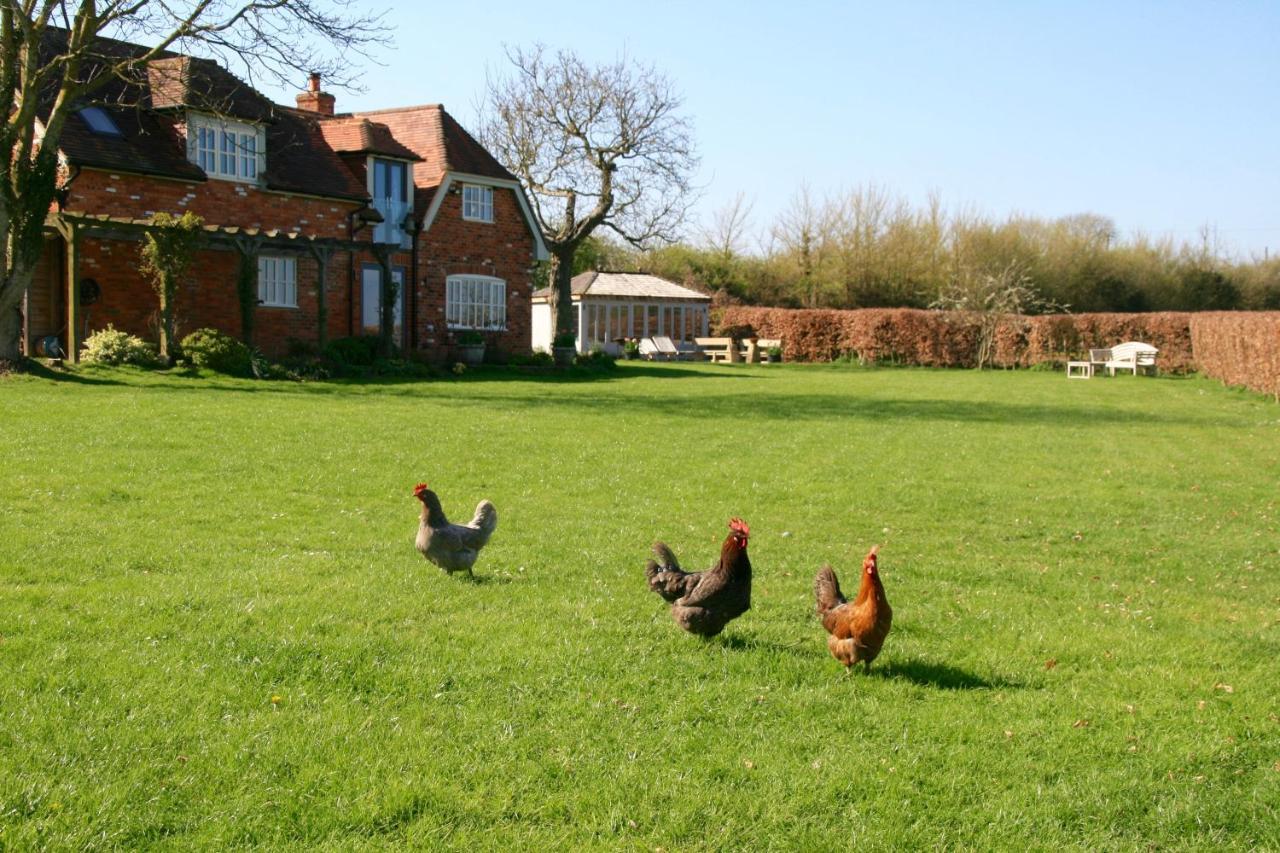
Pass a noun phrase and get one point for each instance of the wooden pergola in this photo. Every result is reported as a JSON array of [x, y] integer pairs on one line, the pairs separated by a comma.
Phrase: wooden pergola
[[73, 226]]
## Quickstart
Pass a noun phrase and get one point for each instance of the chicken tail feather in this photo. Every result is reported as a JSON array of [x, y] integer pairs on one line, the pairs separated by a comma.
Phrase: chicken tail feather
[[485, 520], [666, 577], [666, 557], [826, 589]]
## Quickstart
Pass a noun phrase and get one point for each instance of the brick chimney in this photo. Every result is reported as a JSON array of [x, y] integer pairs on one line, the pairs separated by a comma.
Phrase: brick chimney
[[313, 99]]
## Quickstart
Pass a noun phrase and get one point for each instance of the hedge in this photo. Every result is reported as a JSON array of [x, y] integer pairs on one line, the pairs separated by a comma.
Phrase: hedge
[[1240, 348], [950, 339]]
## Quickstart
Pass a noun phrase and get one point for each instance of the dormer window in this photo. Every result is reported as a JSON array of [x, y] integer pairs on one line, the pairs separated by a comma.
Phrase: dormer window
[[392, 192], [477, 203], [225, 149]]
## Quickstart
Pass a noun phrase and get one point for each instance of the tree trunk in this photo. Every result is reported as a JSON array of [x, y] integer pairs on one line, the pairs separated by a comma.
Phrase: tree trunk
[[10, 331], [168, 290], [562, 299]]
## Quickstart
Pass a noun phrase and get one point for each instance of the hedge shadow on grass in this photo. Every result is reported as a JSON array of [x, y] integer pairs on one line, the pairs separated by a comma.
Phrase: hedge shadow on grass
[[823, 406]]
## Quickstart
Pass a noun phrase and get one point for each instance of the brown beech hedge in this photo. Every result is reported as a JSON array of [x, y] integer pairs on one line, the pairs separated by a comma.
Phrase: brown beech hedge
[[1240, 348]]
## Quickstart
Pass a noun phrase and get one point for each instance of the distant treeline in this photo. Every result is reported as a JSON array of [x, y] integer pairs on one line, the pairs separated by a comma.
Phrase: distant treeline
[[868, 249]]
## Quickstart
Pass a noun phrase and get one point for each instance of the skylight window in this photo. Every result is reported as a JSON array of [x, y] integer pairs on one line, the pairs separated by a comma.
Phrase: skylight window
[[99, 122]]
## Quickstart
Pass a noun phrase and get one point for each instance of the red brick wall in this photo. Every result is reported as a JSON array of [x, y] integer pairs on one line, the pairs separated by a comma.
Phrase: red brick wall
[[207, 297], [218, 202], [502, 248]]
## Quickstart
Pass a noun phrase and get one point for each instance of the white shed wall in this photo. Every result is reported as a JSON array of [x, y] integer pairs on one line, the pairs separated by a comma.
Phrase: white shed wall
[[540, 331]]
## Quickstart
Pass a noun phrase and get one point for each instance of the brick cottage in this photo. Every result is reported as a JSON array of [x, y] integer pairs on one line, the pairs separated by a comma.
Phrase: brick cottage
[[312, 209]]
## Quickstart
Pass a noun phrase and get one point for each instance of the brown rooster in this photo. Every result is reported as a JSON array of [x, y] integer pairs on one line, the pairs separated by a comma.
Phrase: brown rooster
[[452, 547], [856, 630], [704, 602]]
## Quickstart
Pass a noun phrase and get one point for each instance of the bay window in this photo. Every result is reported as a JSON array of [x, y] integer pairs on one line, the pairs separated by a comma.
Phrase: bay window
[[475, 302]]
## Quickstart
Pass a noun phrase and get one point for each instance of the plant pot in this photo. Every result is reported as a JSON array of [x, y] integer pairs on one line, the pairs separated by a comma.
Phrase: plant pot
[[563, 356], [471, 354]]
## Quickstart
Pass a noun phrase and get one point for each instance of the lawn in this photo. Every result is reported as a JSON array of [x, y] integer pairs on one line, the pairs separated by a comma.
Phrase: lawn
[[215, 631]]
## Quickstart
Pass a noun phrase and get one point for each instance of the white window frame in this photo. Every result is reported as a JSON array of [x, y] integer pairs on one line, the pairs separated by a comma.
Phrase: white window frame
[[477, 203], [475, 302], [278, 281], [225, 149]]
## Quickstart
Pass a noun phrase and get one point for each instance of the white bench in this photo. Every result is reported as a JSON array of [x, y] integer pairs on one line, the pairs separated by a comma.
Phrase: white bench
[[1131, 355], [718, 349]]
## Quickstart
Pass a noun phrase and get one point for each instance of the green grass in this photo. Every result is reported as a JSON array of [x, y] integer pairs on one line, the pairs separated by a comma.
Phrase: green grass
[[176, 551]]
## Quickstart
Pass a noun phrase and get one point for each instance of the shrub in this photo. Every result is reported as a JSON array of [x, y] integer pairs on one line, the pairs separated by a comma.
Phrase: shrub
[[564, 340], [538, 358], [469, 338], [217, 351], [358, 351], [597, 359], [111, 346]]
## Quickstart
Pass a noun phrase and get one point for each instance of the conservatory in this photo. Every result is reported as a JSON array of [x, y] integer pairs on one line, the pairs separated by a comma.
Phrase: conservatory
[[613, 307]]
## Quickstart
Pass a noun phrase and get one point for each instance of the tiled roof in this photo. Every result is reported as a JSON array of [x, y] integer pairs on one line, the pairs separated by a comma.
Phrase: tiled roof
[[356, 134], [442, 143], [201, 84], [629, 285], [300, 160], [150, 142]]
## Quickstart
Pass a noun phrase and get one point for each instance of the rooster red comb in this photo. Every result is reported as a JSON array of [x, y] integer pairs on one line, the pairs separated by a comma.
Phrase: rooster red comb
[[869, 561], [739, 527], [419, 489]]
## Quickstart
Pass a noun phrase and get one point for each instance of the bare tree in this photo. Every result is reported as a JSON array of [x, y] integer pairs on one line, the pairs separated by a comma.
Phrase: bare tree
[[728, 228], [56, 56], [804, 233], [597, 147], [992, 298]]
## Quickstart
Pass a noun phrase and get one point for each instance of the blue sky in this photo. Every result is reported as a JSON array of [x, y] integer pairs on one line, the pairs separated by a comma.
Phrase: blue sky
[[1164, 116]]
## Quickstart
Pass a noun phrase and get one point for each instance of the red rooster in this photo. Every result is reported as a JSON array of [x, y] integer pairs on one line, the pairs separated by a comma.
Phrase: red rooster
[[452, 547], [855, 631], [704, 602]]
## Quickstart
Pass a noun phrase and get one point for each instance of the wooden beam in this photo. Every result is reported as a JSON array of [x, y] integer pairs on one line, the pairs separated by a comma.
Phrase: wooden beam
[[72, 237], [322, 254]]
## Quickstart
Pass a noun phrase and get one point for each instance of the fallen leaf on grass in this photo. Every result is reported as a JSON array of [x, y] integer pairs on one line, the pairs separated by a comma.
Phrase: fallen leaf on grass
[[1225, 688], [1200, 705], [1050, 663], [1008, 734], [1080, 724], [749, 764]]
